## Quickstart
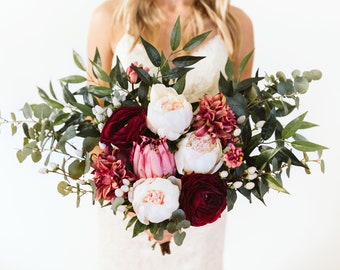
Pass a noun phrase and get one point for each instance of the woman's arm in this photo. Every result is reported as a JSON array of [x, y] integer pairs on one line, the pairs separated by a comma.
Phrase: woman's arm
[[100, 37], [246, 33]]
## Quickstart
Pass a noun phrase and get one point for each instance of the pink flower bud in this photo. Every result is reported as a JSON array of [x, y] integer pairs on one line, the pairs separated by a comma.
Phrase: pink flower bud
[[132, 74]]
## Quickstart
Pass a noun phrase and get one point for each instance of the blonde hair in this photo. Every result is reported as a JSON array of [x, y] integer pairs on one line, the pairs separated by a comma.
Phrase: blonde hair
[[143, 18]]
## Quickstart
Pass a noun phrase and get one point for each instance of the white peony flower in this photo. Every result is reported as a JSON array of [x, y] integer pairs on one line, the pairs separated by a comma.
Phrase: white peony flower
[[154, 199], [198, 154], [169, 114]]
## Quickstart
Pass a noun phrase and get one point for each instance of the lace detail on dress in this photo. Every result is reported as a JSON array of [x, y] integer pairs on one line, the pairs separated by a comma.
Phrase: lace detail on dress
[[203, 79]]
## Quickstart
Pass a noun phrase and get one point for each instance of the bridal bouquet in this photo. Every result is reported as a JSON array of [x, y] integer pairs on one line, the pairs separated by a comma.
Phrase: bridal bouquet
[[138, 146]]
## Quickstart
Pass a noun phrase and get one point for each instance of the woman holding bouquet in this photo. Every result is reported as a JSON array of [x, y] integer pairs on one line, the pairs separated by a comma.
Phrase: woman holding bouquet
[[115, 30]]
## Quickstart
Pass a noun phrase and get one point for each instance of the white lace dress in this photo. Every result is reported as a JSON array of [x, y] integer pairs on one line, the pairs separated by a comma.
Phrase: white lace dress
[[203, 246]]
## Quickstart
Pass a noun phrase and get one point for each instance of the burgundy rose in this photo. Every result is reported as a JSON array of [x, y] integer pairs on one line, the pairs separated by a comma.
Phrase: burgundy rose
[[124, 127], [203, 198]]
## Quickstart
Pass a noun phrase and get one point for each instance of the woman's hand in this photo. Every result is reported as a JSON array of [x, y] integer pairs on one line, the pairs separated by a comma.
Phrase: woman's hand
[[164, 243]]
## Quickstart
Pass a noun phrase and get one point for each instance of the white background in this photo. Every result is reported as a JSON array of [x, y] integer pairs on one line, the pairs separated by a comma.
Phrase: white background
[[39, 229]]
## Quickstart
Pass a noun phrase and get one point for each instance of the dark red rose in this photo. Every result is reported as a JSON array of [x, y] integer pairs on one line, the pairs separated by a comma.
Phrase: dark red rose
[[124, 127], [203, 198]]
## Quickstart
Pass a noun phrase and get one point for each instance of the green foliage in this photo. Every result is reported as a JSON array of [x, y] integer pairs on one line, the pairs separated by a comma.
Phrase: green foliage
[[275, 146]]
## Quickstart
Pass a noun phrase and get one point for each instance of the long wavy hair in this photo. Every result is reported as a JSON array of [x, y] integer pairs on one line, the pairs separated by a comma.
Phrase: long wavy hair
[[144, 17]]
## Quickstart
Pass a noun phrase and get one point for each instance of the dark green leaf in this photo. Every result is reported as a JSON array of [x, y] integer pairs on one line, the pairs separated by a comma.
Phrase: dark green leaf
[[306, 146], [99, 73], [273, 183], [78, 61], [290, 129], [229, 69], [73, 79], [186, 60], [244, 62], [138, 228], [152, 53], [48, 100], [175, 37], [180, 84], [238, 104], [176, 73], [195, 42], [269, 126], [231, 198], [225, 87]]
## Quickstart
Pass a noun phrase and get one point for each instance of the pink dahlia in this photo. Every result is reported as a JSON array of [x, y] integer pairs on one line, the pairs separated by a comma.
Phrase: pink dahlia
[[234, 156], [215, 118], [109, 173]]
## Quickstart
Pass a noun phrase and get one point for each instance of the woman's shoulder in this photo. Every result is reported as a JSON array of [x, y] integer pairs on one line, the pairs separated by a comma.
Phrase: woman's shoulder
[[240, 16], [105, 10]]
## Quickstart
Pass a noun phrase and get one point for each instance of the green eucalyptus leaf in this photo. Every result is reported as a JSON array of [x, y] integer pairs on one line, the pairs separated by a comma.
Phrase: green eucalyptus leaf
[[175, 37], [306, 146], [171, 227], [90, 143], [179, 237], [152, 53], [36, 156], [159, 234], [273, 183], [42, 111], [183, 224], [301, 85], [195, 41], [63, 188], [79, 61], [116, 203], [76, 169], [27, 111]]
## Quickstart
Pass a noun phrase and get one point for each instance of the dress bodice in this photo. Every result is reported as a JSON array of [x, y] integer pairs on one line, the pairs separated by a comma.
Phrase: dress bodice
[[203, 79]]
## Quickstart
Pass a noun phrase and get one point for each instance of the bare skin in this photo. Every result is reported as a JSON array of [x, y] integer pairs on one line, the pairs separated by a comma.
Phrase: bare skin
[[102, 36]]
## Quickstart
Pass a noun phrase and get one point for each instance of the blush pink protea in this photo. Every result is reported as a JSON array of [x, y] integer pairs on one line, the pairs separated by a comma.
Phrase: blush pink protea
[[109, 173], [215, 118], [152, 158], [234, 156]]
